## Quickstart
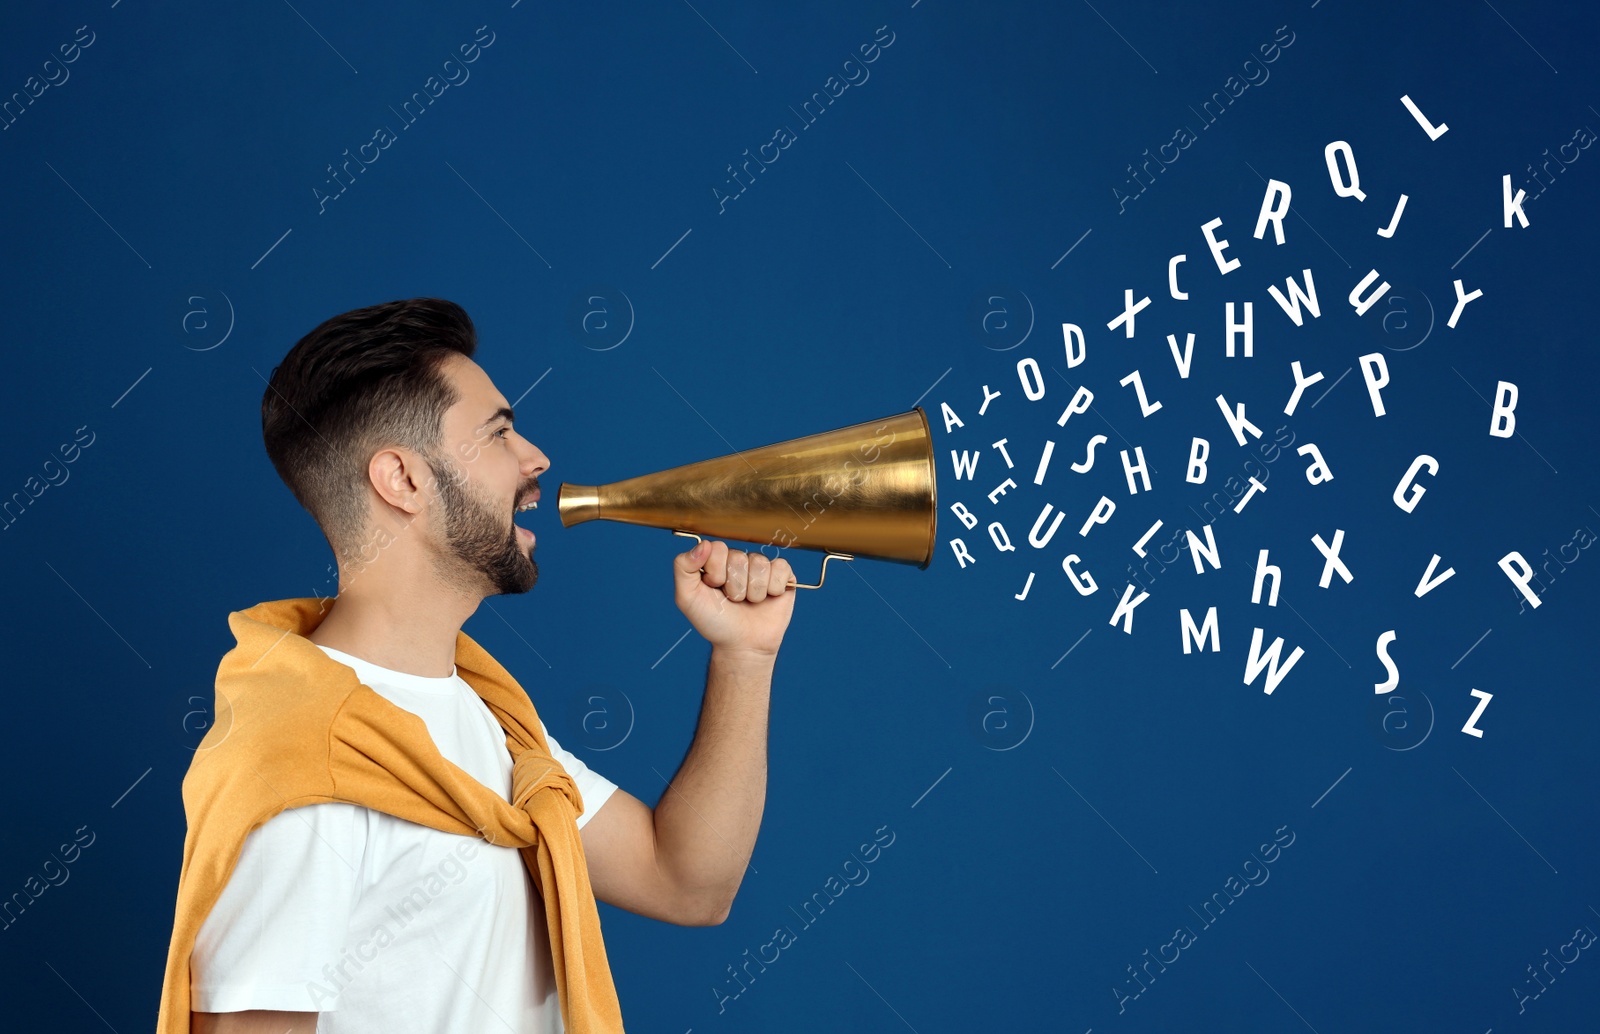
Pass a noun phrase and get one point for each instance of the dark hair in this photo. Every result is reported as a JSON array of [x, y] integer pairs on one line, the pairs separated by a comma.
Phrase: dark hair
[[361, 381]]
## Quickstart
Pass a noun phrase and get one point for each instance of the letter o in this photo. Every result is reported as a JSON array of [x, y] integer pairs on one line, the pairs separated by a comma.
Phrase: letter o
[[1035, 390]]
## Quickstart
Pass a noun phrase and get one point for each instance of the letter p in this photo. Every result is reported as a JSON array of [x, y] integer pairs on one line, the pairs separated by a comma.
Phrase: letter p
[[1375, 371], [1516, 568]]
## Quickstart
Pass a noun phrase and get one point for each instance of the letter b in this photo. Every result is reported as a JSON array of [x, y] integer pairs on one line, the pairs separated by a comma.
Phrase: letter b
[[1199, 449], [1503, 422]]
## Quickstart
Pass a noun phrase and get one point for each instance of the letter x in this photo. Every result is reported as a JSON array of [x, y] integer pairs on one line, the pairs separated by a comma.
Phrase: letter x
[[1129, 310], [1332, 553]]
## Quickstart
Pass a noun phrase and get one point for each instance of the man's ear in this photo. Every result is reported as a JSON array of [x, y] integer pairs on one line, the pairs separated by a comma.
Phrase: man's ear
[[400, 477]]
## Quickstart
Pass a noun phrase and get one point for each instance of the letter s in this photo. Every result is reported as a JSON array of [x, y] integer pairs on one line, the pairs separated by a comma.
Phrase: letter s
[[1393, 680]]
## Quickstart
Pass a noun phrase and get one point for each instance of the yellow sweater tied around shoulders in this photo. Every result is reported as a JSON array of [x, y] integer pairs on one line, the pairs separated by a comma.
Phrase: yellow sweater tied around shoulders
[[296, 727]]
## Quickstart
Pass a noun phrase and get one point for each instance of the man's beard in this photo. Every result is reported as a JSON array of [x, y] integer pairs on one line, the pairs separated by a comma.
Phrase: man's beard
[[478, 538]]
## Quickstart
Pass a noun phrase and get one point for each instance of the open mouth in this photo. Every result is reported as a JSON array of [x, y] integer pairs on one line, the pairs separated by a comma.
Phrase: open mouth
[[525, 536]]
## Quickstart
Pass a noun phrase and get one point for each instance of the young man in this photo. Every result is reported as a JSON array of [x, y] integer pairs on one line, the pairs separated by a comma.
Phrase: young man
[[350, 917]]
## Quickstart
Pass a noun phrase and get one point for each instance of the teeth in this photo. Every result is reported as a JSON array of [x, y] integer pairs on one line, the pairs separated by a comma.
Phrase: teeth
[[532, 505]]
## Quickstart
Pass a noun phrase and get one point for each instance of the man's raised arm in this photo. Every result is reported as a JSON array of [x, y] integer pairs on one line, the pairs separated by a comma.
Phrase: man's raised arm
[[683, 861]]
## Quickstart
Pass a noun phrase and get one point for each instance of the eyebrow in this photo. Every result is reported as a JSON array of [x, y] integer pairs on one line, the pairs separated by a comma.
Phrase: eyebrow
[[503, 411]]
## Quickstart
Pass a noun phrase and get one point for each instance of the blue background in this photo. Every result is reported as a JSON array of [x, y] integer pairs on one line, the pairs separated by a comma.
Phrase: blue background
[[1055, 814]]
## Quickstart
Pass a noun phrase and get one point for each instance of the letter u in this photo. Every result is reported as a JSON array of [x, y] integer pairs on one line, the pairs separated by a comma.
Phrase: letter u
[[1033, 536]]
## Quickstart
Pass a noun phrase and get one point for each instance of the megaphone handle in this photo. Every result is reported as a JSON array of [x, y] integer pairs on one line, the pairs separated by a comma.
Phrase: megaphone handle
[[793, 585]]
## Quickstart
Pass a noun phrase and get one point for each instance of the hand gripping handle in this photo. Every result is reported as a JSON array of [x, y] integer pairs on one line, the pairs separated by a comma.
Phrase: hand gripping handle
[[795, 584]]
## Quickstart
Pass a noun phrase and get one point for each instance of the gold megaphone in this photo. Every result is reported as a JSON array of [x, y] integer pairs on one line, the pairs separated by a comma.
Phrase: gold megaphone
[[867, 490]]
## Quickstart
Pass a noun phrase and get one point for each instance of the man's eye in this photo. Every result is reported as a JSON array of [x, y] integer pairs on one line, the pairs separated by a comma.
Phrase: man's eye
[[502, 430]]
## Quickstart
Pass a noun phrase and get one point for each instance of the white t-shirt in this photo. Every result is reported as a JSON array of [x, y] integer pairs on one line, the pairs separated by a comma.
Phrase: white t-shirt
[[380, 924]]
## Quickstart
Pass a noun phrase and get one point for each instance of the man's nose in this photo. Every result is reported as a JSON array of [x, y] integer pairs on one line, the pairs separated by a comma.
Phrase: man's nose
[[536, 462]]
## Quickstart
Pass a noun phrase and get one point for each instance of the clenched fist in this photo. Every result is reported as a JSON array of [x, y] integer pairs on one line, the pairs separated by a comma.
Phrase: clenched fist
[[741, 601]]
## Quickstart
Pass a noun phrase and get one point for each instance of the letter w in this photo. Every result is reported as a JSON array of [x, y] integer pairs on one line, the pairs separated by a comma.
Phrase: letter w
[[966, 461], [1257, 661], [1291, 304]]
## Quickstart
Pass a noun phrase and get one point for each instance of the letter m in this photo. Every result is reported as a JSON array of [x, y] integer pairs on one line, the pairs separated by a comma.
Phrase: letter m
[[1207, 629]]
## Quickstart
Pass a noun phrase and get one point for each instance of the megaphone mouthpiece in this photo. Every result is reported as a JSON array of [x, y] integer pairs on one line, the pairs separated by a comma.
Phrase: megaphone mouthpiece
[[577, 503]]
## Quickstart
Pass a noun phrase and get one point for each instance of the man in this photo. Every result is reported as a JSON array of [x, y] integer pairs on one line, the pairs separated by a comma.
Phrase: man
[[340, 917]]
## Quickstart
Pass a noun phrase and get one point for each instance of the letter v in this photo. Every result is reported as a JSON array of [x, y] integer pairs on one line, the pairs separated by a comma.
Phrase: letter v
[[1188, 353], [1429, 583]]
